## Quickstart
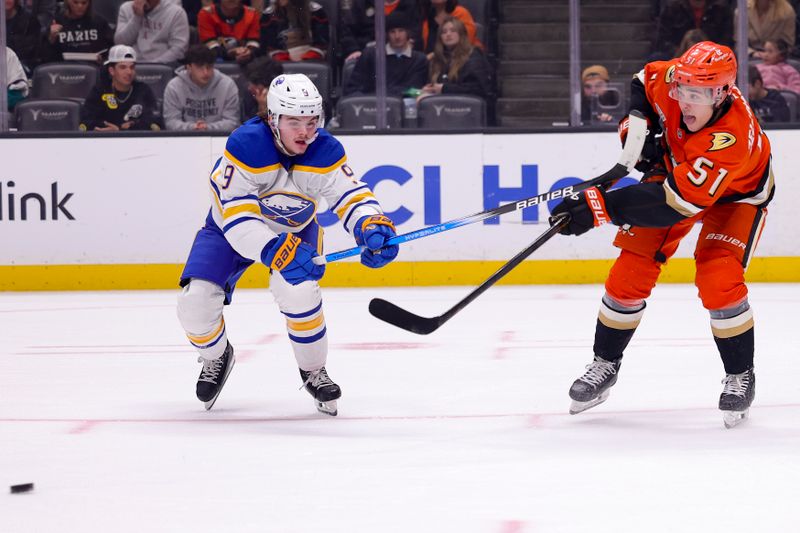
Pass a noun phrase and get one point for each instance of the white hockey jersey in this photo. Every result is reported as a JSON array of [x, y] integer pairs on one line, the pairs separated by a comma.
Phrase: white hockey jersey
[[258, 192]]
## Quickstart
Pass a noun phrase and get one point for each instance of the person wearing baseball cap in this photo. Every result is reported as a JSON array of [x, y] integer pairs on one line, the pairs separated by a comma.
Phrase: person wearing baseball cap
[[595, 85], [118, 101]]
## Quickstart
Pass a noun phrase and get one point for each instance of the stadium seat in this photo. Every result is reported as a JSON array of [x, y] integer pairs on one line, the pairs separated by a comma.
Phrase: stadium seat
[[347, 71], [793, 100], [331, 8], [64, 80], [451, 112], [48, 114], [319, 73], [156, 75], [231, 69], [358, 112], [479, 9]]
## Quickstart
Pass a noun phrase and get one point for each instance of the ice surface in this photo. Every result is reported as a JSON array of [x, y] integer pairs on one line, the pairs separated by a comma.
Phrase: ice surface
[[465, 430]]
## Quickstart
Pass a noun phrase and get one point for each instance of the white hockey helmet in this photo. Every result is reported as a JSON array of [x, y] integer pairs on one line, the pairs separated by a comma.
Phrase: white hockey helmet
[[293, 95]]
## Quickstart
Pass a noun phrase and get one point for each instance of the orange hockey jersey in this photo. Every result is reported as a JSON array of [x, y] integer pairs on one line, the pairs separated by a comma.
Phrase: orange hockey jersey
[[726, 161]]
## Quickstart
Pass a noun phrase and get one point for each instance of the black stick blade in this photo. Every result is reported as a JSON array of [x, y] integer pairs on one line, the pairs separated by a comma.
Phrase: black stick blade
[[397, 316]]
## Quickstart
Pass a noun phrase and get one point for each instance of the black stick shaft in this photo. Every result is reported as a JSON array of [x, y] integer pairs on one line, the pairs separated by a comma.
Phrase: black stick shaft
[[505, 269]]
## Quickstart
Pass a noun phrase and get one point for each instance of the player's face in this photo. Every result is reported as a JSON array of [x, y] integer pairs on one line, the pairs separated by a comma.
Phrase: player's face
[[200, 74], [296, 132], [696, 116], [122, 74], [450, 35]]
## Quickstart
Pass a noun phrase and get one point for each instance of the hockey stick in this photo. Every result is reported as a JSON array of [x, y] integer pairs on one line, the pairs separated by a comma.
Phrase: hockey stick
[[630, 153], [397, 316]]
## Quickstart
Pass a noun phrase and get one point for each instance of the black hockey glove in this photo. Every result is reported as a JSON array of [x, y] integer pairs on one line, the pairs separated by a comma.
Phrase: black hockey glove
[[586, 211]]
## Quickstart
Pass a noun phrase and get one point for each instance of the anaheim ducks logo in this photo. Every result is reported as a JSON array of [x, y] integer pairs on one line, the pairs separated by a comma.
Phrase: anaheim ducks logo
[[669, 75], [721, 140]]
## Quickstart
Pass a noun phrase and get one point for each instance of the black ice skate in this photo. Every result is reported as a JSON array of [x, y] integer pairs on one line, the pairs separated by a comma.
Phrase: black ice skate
[[213, 376], [324, 391], [737, 395], [592, 388]]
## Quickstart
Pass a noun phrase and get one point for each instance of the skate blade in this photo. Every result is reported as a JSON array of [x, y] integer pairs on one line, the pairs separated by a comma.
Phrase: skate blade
[[210, 403], [734, 418], [328, 408], [579, 407]]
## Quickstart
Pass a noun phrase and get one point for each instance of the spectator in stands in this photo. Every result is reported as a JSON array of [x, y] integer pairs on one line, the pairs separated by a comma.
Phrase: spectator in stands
[[77, 33], [357, 23], [691, 38], [406, 68], [456, 66], [43, 10], [769, 105], [259, 74], [118, 101], [433, 14], [295, 30], [595, 87], [775, 71], [230, 29], [23, 34], [199, 97], [158, 30], [16, 79], [769, 20], [713, 17]]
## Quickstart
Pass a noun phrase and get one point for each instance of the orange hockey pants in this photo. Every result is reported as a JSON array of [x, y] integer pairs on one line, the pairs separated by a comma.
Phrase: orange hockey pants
[[728, 237]]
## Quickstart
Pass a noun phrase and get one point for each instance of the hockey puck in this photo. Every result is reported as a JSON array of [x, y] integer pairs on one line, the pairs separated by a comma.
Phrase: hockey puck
[[22, 487]]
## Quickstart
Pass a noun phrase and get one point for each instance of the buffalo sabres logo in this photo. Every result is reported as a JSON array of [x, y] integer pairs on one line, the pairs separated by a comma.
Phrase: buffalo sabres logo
[[721, 140], [669, 75], [288, 209]]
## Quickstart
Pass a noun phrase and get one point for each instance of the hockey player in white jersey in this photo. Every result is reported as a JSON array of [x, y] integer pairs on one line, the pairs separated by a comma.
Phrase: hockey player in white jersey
[[265, 190]]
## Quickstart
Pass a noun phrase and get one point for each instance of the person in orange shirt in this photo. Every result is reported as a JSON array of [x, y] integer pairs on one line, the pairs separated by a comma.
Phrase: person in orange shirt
[[433, 14], [230, 29], [712, 166]]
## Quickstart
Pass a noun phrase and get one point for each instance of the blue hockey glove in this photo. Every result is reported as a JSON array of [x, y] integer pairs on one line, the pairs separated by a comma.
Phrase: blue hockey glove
[[292, 257], [373, 231]]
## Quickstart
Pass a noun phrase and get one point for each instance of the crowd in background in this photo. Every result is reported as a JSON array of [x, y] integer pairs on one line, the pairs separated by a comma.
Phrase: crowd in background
[[222, 55]]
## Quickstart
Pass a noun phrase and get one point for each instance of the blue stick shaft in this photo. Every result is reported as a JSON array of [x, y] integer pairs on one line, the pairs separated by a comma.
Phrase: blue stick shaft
[[615, 173], [633, 147]]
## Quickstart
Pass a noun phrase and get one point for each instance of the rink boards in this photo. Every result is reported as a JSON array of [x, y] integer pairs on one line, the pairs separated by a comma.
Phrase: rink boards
[[119, 213]]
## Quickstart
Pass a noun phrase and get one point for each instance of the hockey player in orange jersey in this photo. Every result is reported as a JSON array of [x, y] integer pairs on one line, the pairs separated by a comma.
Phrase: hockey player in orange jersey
[[711, 165]]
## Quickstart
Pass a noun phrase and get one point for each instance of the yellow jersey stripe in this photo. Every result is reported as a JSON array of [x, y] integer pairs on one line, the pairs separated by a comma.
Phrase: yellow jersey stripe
[[295, 325], [318, 170], [248, 168], [202, 339], [354, 200], [244, 208]]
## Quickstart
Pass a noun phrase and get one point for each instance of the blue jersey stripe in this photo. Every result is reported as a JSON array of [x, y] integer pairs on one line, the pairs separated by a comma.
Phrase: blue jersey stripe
[[353, 210], [309, 340], [302, 315], [345, 196], [239, 221]]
